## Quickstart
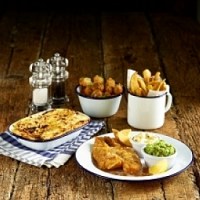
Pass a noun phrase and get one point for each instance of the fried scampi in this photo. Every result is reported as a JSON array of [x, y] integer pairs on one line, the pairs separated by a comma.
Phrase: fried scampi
[[99, 87], [110, 155]]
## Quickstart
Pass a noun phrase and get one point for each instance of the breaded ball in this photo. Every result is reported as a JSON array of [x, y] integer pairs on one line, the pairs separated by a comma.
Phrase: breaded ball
[[87, 91], [118, 89], [109, 90], [98, 86], [97, 93], [98, 79], [110, 82], [85, 81]]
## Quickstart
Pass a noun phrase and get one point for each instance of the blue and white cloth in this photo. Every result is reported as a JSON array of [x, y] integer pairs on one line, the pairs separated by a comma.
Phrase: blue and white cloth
[[56, 157]]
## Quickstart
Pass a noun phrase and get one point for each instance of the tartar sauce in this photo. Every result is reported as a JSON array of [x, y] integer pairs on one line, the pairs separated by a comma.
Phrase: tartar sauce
[[145, 138]]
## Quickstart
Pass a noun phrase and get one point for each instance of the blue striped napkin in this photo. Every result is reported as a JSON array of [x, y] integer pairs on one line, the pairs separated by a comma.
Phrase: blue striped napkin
[[56, 157]]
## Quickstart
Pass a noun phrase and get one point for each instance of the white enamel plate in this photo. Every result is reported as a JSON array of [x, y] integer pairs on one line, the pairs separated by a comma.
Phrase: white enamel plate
[[184, 160]]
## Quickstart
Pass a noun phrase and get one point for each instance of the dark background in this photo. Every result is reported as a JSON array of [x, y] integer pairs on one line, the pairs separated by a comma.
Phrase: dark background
[[178, 7]]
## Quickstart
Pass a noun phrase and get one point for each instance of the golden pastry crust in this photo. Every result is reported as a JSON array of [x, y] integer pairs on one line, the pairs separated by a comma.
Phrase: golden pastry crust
[[49, 124]]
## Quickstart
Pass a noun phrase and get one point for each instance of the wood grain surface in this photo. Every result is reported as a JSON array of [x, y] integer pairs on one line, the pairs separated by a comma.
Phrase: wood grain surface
[[107, 44]]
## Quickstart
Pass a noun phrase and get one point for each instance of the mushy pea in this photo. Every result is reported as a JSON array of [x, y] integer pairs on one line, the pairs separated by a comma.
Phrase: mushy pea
[[160, 149]]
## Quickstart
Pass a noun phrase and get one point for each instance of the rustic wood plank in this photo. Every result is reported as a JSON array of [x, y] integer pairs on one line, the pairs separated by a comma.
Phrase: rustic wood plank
[[15, 93], [179, 46], [12, 105], [126, 51], [27, 41], [78, 40], [56, 35], [7, 27], [14, 100], [125, 35], [72, 37], [8, 170], [77, 184], [84, 52], [188, 115], [127, 190], [8, 100], [179, 50], [30, 183], [123, 50], [180, 191], [107, 46]]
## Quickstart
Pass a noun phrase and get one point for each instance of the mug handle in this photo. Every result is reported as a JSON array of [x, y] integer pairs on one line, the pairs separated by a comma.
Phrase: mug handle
[[168, 101]]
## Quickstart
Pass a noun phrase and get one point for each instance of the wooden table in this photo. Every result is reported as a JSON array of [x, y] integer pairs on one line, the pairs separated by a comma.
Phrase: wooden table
[[106, 44]]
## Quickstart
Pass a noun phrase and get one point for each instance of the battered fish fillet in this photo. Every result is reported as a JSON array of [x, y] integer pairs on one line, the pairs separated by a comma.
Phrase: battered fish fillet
[[109, 154], [105, 157]]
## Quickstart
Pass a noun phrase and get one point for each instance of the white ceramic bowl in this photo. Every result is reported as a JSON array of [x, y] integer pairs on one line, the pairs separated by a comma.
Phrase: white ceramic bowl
[[139, 139], [99, 107], [152, 160]]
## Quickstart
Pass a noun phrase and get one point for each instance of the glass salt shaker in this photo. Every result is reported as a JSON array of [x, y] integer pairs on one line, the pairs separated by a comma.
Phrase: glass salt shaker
[[59, 76], [40, 82]]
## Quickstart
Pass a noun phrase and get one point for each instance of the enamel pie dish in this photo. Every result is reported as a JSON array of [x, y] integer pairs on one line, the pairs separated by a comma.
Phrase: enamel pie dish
[[48, 129]]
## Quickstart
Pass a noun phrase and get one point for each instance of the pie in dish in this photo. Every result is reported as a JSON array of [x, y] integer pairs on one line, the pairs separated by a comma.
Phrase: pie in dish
[[49, 124]]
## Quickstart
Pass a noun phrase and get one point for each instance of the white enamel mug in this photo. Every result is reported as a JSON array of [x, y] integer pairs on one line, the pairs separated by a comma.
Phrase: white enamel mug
[[148, 112]]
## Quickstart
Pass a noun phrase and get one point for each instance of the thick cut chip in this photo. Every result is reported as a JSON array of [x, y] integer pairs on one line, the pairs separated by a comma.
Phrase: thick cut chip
[[140, 86], [134, 83]]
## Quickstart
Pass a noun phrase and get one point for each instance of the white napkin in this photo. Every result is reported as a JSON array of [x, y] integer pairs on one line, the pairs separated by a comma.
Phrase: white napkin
[[56, 157]]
